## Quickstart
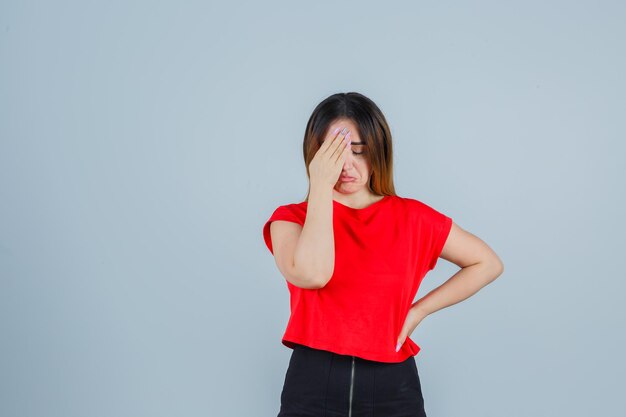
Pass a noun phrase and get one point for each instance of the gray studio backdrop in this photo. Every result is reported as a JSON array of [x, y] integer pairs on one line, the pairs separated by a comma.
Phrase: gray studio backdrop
[[144, 144]]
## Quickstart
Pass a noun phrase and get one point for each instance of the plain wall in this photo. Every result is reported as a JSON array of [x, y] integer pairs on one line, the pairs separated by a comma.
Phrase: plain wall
[[143, 144]]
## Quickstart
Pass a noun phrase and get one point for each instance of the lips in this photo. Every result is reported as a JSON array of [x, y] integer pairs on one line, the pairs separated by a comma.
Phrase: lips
[[342, 178]]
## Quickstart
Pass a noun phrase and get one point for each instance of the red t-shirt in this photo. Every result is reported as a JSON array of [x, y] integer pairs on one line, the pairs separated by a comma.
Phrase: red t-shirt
[[382, 253]]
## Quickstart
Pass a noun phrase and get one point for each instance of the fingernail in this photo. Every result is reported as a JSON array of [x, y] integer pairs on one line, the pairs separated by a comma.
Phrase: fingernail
[[336, 130], [348, 135], [344, 130], [398, 346]]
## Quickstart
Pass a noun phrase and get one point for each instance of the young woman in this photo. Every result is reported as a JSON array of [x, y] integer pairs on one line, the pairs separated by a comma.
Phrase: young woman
[[353, 254]]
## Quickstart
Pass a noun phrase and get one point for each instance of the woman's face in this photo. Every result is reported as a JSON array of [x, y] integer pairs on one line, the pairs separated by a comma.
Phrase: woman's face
[[356, 171]]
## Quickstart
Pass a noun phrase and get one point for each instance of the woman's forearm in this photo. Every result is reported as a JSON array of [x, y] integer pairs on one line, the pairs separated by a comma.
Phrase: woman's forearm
[[314, 256], [465, 283]]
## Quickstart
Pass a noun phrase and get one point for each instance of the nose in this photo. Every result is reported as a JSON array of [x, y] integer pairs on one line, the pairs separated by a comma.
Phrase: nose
[[347, 165]]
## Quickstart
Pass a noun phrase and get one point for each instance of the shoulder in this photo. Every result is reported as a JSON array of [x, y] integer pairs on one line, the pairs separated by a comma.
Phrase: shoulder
[[291, 211], [421, 208], [294, 213], [411, 203], [295, 208]]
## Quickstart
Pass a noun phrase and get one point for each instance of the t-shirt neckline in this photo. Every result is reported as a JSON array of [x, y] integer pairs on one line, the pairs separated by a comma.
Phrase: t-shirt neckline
[[364, 209]]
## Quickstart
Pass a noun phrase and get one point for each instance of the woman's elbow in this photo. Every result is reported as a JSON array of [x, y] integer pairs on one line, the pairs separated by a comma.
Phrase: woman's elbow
[[308, 281], [495, 266]]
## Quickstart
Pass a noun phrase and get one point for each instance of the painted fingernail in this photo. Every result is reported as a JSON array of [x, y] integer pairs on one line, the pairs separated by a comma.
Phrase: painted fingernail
[[348, 135], [398, 346], [336, 130], [344, 130]]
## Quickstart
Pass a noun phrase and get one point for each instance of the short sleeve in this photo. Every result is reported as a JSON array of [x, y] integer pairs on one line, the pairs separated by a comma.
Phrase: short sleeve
[[288, 213], [435, 228]]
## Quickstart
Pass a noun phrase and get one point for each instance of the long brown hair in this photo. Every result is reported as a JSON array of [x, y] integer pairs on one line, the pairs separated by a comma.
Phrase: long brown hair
[[372, 128]]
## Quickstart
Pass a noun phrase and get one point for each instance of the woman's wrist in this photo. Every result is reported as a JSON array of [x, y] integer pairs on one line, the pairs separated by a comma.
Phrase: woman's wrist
[[320, 191]]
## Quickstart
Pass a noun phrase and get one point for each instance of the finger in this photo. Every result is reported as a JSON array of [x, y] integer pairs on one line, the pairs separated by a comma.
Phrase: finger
[[336, 142], [344, 151], [329, 139], [342, 139], [340, 150], [399, 345], [401, 339]]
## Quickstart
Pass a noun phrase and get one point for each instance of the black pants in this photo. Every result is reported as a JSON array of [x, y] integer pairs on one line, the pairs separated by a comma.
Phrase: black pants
[[319, 383]]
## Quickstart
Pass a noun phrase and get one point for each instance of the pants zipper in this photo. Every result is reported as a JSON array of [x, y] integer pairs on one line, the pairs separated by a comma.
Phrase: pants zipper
[[351, 389]]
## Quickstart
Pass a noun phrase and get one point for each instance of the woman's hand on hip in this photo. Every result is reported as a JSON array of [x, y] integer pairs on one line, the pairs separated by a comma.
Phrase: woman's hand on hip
[[412, 320]]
